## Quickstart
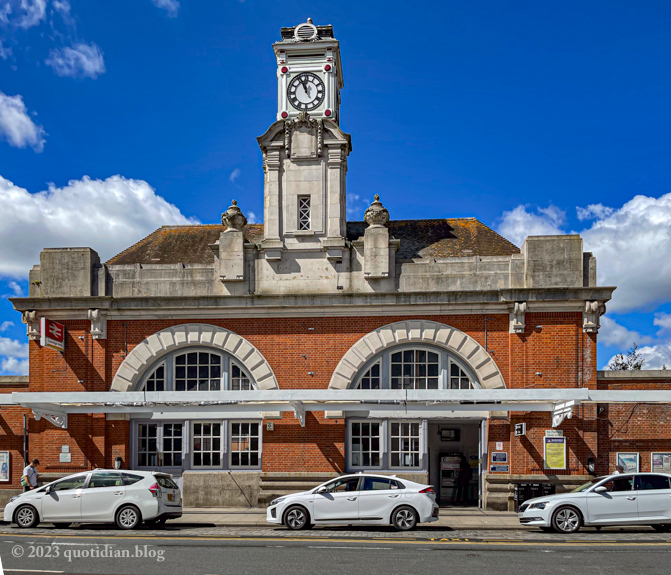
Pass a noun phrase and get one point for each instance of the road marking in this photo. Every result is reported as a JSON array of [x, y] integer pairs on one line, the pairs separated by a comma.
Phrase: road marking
[[482, 543], [33, 571], [343, 547]]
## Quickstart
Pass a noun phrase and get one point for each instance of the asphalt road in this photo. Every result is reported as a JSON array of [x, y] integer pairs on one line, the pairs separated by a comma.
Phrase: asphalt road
[[147, 554]]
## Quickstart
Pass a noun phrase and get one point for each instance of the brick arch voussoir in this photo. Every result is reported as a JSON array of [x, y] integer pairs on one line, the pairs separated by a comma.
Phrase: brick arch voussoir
[[441, 335], [131, 372]]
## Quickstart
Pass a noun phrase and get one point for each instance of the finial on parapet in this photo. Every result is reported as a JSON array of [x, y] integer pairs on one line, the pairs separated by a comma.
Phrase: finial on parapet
[[376, 216], [233, 219]]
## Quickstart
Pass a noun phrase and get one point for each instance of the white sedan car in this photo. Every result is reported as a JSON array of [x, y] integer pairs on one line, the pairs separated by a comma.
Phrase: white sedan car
[[360, 499], [622, 499], [101, 496]]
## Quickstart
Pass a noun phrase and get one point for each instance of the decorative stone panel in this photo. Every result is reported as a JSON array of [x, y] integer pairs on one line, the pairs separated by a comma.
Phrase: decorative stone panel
[[132, 370]]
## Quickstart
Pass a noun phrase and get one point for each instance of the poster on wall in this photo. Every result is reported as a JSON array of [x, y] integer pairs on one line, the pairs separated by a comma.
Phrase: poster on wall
[[554, 452], [661, 463], [629, 461], [4, 465]]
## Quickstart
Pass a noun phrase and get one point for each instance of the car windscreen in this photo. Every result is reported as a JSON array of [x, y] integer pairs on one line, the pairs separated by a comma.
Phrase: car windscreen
[[588, 485]]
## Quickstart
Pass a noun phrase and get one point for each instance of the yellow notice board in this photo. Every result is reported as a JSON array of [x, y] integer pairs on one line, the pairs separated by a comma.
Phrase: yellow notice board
[[554, 452]]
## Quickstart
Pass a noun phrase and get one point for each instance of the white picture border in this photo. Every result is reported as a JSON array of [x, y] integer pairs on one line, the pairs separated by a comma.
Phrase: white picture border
[[545, 459], [638, 460], [7, 457], [652, 455]]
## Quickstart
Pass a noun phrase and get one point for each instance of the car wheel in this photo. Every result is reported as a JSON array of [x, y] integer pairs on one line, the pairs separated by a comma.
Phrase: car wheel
[[128, 517], [26, 517], [62, 525], [404, 518], [566, 520], [662, 527], [296, 518]]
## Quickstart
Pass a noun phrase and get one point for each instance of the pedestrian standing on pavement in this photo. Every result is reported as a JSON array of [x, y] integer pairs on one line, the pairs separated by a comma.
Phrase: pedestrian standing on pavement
[[463, 481], [29, 477], [619, 468]]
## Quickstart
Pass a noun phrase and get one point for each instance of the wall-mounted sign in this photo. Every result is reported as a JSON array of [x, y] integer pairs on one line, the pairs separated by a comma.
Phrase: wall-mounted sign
[[520, 429], [52, 334], [554, 452], [629, 461], [499, 445], [554, 433], [4, 465], [499, 468], [661, 463], [501, 457]]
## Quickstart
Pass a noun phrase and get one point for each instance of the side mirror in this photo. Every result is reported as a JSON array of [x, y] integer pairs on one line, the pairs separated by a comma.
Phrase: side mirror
[[600, 489], [321, 489], [47, 490]]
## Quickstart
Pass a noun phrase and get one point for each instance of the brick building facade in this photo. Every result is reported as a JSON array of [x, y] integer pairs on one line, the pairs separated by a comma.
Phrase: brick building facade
[[203, 343]]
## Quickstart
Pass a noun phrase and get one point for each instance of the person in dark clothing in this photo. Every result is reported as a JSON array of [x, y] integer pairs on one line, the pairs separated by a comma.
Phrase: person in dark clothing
[[463, 479]]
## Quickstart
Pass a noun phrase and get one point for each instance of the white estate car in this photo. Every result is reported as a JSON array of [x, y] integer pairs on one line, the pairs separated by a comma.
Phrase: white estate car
[[361, 499], [100, 496], [622, 499]]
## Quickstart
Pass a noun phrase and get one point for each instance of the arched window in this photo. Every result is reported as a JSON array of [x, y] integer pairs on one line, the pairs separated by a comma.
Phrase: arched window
[[197, 370], [416, 367]]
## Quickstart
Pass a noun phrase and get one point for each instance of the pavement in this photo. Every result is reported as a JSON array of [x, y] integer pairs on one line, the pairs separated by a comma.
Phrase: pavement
[[450, 518]]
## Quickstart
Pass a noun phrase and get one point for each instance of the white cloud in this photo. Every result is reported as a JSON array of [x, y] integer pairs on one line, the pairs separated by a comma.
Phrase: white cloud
[[64, 9], [663, 320], [80, 61], [13, 366], [17, 127], [23, 13], [4, 52], [5, 325], [519, 223], [235, 174], [16, 288], [251, 218], [107, 215], [632, 245], [612, 334], [171, 6], [356, 206], [13, 348], [593, 211]]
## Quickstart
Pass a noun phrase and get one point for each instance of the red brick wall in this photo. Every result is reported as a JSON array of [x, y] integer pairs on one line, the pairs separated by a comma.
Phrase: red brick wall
[[558, 349]]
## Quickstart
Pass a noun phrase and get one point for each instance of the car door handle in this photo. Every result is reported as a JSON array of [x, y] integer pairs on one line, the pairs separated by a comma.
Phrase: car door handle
[[118, 493], [393, 495], [75, 496], [631, 498], [351, 499]]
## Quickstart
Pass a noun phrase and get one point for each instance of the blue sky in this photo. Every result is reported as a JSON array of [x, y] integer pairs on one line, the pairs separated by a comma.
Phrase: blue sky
[[535, 117]]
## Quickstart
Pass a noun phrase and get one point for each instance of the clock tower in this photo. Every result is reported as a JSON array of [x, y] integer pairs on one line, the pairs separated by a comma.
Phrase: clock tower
[[305, 164], [309, 72]]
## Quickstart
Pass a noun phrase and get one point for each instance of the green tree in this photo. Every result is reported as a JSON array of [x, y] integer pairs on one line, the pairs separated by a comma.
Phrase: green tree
[[632, 360]]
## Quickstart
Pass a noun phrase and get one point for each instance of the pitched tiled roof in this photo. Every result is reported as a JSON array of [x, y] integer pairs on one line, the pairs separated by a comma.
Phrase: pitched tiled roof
[[455, 237]]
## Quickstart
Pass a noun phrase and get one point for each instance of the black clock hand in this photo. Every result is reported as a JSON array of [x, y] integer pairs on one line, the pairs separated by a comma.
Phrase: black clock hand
[[305, 86]]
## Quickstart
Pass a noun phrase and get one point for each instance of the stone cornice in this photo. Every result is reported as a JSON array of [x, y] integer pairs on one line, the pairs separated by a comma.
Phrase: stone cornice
[[339, 304]]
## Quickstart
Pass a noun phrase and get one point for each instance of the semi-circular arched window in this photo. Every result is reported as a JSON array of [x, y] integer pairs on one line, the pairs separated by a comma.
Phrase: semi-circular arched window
[[197, 369], [416, 367]]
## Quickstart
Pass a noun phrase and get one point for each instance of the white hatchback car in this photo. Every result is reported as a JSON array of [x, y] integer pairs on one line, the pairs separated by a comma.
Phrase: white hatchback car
[[360, 499], [622, 499], [100, 496]]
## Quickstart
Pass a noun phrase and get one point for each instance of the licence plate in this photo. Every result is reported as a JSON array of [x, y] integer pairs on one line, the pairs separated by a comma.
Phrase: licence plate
[[520, 515], [169, 497]]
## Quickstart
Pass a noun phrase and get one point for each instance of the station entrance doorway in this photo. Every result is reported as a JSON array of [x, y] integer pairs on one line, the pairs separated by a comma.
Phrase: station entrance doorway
[[456, 456]]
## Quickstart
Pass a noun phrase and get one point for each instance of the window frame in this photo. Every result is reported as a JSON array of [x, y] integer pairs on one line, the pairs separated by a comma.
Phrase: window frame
[[350, 422], [299, 222], [168, 360], [222, 445], [420, 447], [445, 362], [229, 444]]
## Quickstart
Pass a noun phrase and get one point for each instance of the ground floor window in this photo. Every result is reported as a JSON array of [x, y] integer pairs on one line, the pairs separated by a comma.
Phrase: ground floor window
[[197, 445], [385, 444]]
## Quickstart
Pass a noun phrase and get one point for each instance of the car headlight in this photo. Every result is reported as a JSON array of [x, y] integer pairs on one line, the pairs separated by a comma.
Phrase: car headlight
[[540, 505], [14, 498], [276, 501]]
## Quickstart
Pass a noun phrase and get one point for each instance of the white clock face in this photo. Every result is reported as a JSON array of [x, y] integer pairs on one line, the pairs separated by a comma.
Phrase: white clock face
[[306, 91]]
